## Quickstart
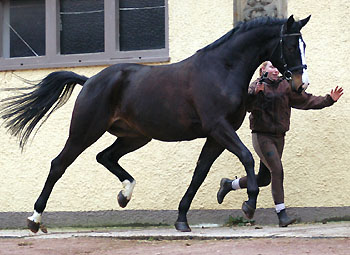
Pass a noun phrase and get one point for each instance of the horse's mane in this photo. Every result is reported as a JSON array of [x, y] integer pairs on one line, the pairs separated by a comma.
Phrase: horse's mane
[[242, 27]]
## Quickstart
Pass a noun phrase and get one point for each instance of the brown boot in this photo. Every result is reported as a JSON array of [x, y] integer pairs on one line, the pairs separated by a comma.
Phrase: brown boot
[[225, 187], [284, 220]]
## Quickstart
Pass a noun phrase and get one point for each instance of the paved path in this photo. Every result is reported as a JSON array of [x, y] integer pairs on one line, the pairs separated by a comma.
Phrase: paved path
[[329, 230]]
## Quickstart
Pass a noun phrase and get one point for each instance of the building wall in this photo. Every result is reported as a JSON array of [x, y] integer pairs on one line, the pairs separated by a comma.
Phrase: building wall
[[315, 155]]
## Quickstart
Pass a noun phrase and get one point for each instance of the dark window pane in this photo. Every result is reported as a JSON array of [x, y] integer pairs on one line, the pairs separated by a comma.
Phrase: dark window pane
[[82, 26], [141, 24], [27, 28]]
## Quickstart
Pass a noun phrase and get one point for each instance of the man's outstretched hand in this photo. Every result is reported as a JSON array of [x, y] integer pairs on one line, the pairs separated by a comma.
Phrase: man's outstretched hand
[[336, 93]]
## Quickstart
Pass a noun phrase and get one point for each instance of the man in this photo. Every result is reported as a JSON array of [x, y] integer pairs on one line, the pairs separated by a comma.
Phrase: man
[[270, 103]]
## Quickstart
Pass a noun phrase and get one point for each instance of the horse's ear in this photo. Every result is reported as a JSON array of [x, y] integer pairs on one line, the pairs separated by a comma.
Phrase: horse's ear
[[290, 22], [303, 22]]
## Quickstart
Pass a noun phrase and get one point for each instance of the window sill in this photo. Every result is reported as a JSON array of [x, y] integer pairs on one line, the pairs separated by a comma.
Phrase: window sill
[[7, 64]]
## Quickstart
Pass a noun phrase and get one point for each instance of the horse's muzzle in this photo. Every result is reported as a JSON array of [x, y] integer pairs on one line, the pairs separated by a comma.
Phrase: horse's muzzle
[[299, 82]]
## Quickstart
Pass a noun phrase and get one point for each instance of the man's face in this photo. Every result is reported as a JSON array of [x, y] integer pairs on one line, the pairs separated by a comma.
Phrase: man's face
[[272, 71]]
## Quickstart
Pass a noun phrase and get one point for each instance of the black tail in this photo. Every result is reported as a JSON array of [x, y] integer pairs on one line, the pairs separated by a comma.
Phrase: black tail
[[23, 112]]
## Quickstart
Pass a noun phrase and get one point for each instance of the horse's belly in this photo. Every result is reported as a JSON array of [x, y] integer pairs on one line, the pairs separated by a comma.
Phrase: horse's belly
[[157, 129], [121, 128], [172, 135], [176, 130]]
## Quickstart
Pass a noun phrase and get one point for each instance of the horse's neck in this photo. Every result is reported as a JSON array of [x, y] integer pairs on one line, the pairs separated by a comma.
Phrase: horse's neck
[[249, 49]]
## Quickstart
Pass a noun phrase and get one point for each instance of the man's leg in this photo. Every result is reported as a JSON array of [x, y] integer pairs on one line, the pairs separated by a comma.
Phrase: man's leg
[[269, 149], [263, 179]]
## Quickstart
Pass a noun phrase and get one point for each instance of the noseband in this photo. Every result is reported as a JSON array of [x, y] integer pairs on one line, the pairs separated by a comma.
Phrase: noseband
[[287, 74]]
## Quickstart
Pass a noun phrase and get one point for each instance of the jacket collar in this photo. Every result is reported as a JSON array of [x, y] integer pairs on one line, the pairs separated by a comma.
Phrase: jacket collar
[[274, 83]]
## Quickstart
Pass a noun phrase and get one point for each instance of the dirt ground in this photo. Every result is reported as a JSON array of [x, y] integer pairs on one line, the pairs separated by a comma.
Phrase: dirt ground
[[112, 246]]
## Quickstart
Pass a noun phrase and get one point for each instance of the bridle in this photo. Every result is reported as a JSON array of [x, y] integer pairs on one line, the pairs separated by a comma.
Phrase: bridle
[[287, 74]]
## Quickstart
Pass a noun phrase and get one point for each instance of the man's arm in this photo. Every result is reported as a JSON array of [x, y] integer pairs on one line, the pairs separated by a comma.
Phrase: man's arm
[[307, 101]]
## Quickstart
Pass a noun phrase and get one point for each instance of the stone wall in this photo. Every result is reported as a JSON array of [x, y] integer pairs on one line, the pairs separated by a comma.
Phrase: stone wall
[[249, 9]]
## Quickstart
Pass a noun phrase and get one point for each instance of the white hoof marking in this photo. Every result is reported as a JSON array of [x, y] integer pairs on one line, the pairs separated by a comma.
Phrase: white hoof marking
[[36, 217], [128, 188]]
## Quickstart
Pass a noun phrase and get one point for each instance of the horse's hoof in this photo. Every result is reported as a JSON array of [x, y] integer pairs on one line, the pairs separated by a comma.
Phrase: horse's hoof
[[248, 210], [182, 226], [33, 226], [122, 200], [43, 228]]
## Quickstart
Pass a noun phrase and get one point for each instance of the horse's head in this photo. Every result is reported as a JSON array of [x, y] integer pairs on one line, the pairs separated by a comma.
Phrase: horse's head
[[289, 55]]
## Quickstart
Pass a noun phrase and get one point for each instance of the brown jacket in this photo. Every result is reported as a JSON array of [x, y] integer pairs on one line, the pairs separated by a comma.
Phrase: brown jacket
[[271, 109]]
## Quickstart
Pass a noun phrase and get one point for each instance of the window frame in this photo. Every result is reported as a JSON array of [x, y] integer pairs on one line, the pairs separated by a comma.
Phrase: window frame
[[53, 58]]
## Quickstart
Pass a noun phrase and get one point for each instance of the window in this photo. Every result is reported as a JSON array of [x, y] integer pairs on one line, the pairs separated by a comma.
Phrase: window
[[34, 42], [80, 20], [63, 33], [139, 26]]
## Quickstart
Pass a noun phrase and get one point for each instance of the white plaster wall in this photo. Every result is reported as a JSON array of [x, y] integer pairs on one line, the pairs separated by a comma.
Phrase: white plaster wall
[[315, 157]]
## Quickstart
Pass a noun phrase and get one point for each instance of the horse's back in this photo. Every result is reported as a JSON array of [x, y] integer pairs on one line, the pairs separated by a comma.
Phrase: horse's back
[[154, 101], [158, 100]]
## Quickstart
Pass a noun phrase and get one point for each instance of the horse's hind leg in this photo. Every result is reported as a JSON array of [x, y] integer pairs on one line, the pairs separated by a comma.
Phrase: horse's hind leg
[[86, 128], [110, 157], [211, 150], [70, 152]]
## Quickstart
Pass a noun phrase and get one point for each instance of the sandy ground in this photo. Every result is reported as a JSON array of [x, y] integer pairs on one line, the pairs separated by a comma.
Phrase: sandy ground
[[109, 246], [299, 239]]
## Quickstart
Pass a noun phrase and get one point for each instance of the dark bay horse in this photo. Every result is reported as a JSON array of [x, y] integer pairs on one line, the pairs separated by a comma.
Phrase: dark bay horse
[[200, 97]]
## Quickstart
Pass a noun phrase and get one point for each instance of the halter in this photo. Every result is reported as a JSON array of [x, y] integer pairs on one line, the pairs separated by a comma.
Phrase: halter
[[287, 74]]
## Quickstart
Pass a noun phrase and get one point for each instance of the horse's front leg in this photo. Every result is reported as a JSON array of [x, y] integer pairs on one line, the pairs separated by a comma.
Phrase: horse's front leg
[[211, 150], [225, 135], [110, 157]]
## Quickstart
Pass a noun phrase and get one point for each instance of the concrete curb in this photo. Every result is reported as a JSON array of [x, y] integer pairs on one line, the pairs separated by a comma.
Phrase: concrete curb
[[330, 230]]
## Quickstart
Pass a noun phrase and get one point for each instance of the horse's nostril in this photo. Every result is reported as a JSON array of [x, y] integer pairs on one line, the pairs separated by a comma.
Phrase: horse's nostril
[[305, 85]]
